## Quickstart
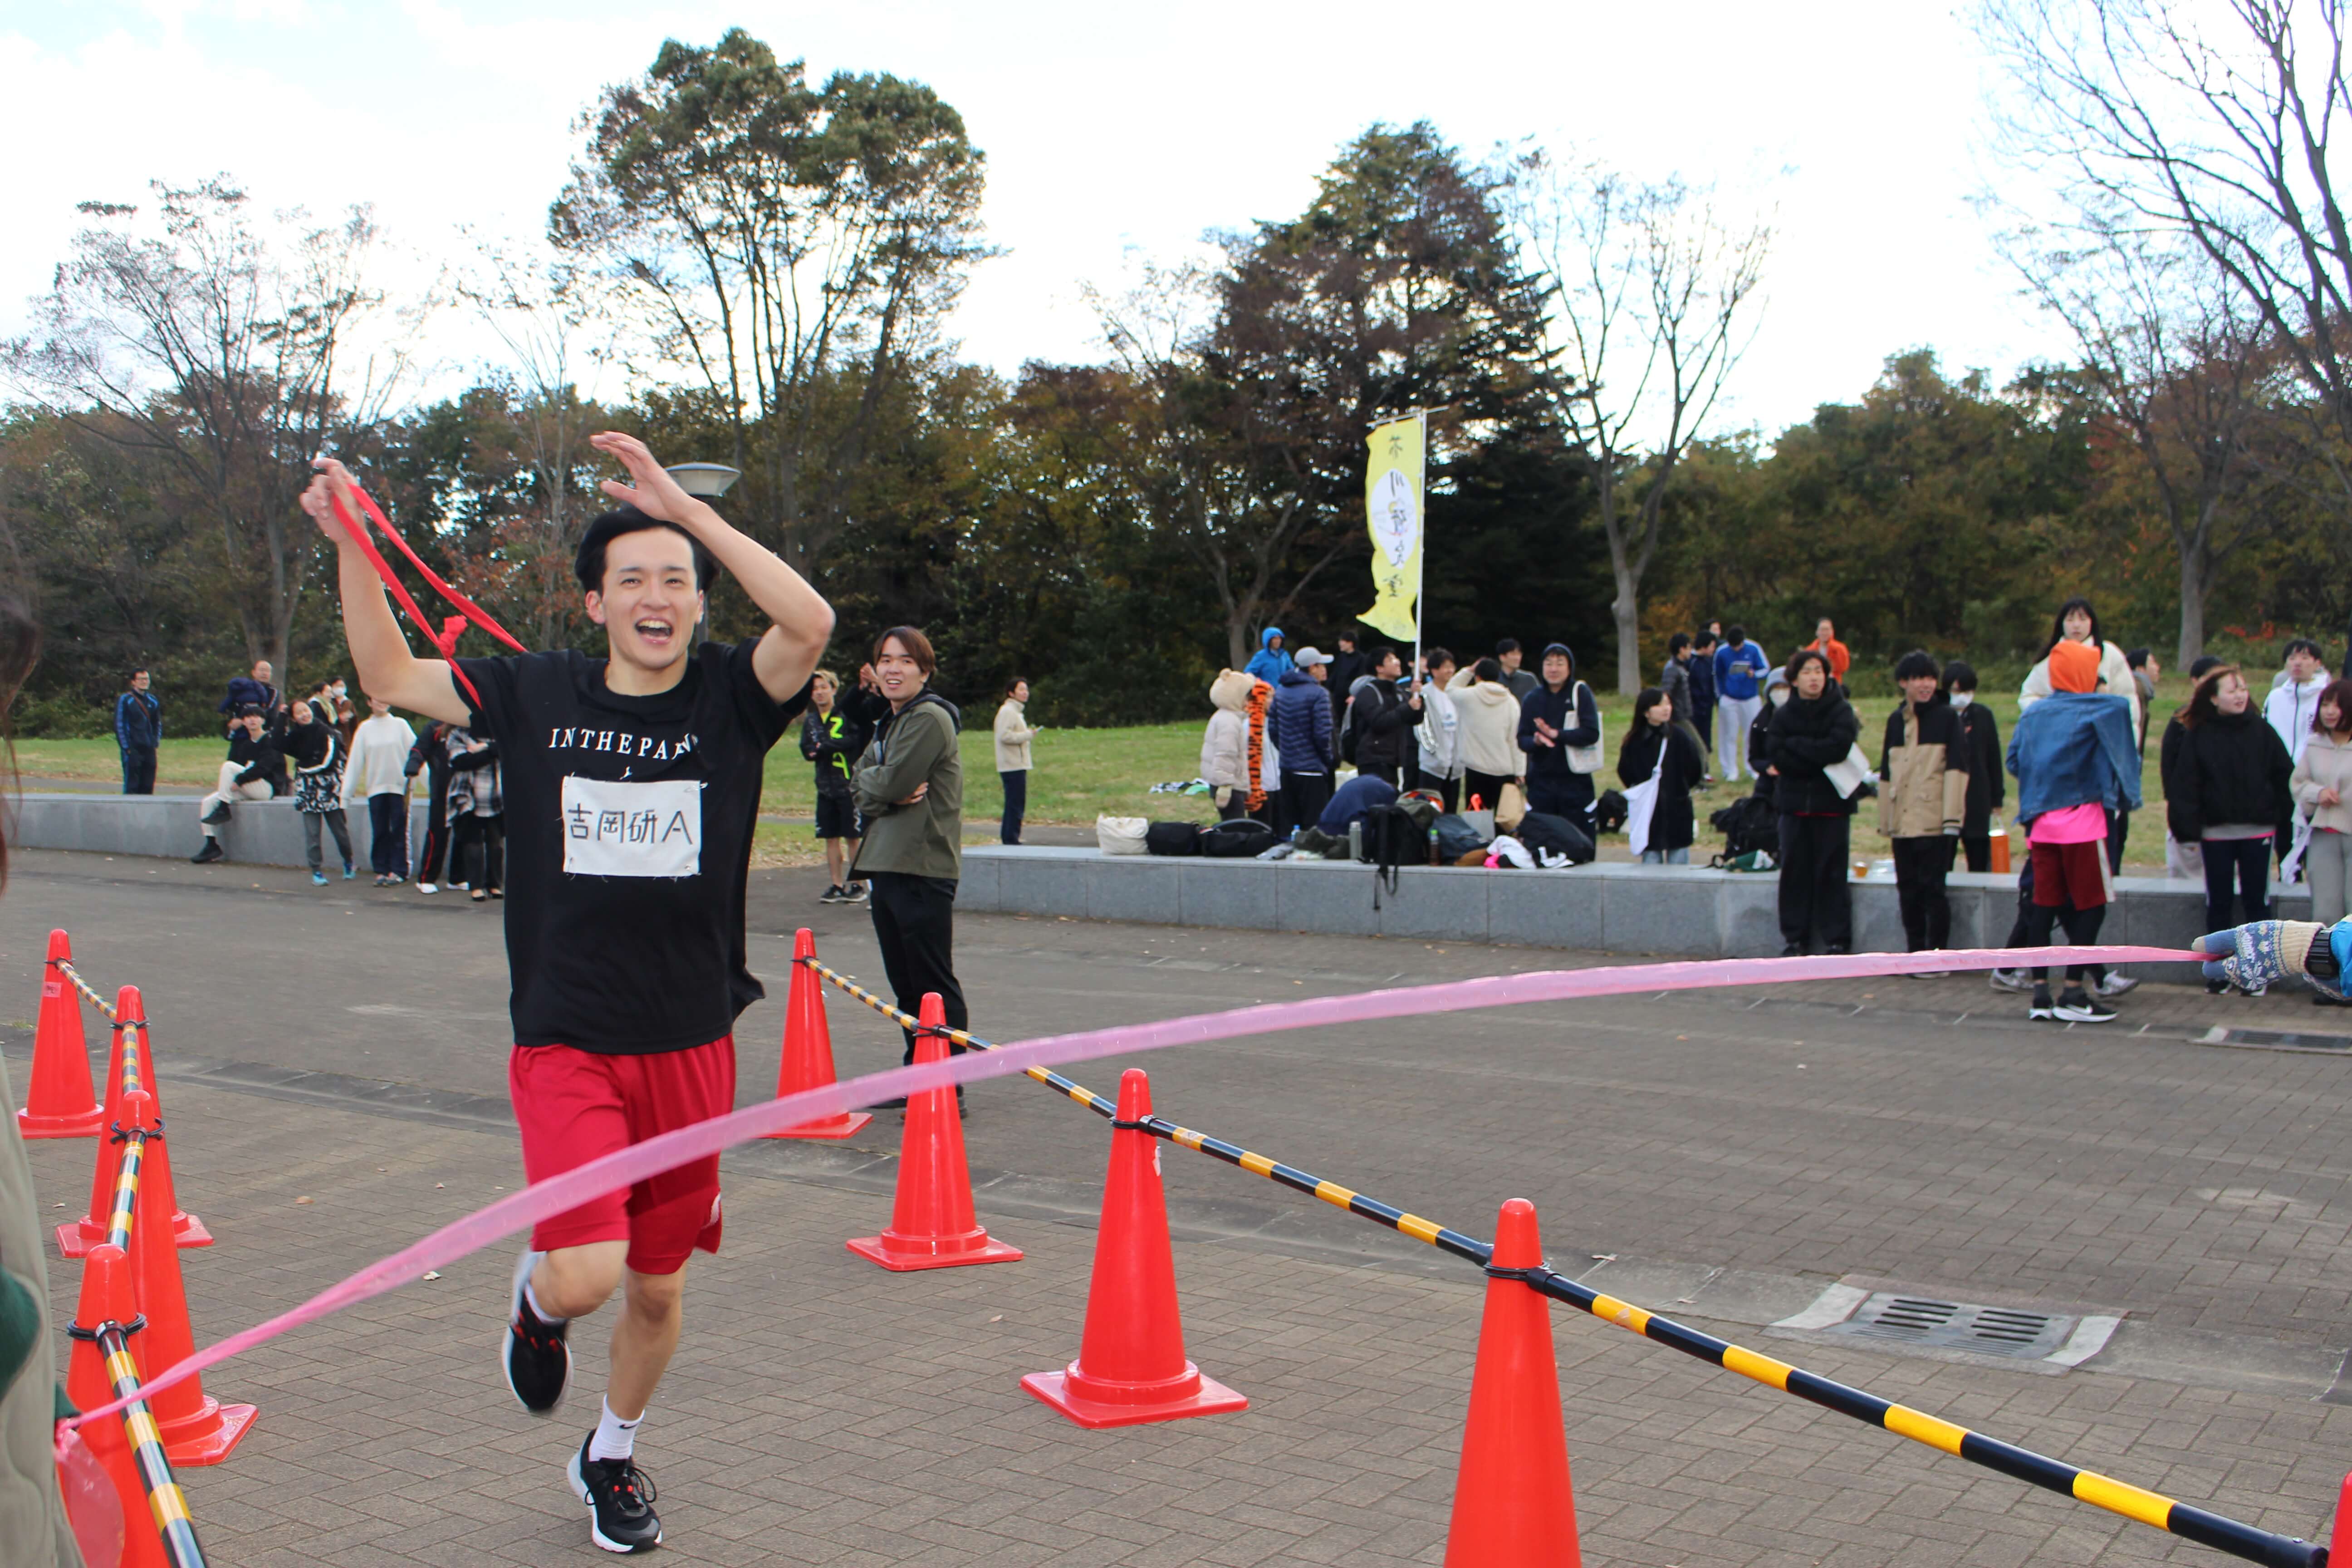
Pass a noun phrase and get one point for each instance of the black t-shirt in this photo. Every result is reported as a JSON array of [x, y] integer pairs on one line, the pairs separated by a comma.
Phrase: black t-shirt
[[628, 822]]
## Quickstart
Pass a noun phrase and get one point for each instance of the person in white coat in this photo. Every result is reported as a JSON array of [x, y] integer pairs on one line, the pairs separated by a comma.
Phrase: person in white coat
[[1014, 733], [1225, 752], [377, 775], [2295, 695], [1439, 733], [2078, 622]]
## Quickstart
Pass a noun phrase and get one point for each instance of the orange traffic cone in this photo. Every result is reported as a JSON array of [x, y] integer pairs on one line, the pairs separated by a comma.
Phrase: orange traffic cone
[[58, 1102], [1511, 1498], [1131, 1367], [76, 1237], [808, 1048], [2339, 1537], [106, 1298], [197, 1429], [931, 1222]]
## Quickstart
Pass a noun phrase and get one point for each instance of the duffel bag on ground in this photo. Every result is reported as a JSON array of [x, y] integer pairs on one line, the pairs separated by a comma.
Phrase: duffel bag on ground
[[1172, 838], [1236, 837]]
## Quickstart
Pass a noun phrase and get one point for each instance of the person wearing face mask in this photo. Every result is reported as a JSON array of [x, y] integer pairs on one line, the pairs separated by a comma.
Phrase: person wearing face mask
[[1988, 785], [2076, 765], [1813, 732], [2223, 791], [1759, 733]]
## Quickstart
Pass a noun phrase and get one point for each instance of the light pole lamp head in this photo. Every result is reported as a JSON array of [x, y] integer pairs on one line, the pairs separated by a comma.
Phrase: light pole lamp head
[[708, 480]]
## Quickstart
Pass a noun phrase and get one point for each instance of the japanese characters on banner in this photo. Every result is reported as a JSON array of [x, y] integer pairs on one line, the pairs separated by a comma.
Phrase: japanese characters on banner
[[1392, 508]]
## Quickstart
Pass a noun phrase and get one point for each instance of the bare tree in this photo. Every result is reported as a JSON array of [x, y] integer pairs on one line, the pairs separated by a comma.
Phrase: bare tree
[[2213, 123], [222, 349], [1654, 297], [2174, 356]]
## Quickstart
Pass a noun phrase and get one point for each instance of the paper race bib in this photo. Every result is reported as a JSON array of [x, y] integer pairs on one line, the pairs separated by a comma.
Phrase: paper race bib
[[616, 828]]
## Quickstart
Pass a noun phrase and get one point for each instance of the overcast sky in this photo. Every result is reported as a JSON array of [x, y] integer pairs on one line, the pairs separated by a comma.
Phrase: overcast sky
[[1108, 129]]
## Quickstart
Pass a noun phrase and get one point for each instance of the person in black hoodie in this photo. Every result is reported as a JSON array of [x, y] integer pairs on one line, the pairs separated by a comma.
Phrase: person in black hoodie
[[1560, 714], [1381, 719], [1659, 744], [834, 741], [2222, 786], [1759, 733], [430, 755], [256, 770], [1987, 776], [1349, 666], [1814, 730]]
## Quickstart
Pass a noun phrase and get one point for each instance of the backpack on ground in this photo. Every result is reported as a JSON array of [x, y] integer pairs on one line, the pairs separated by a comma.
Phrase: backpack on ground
[[1748, 824], [1544, 834], [1172, 838], [1610, 811], [1395, 837], [1455, 838], [1235, 837]]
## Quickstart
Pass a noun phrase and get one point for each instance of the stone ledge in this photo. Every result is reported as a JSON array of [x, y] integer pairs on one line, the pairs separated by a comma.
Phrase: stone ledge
[[257, 833], [1608, 906]]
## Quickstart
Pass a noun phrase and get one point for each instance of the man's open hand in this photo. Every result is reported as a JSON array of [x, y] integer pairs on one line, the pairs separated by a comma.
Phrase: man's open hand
[[654, 494]]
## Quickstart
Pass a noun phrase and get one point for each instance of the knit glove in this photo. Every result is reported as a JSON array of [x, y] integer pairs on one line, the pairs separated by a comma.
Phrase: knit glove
[[2261, 953]]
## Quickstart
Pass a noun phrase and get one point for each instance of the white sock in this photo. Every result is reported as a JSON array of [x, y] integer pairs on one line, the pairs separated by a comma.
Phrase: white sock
[[539, 1312], [616, 1438]]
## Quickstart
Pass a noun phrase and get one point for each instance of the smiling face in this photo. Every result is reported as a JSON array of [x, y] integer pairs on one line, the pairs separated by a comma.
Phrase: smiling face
[[1555, 668], [2232, 695], [2331, 717], [1019, 691], [1824, 633], [1920, 688], [1390, 665], [895, 669], [650, 602]]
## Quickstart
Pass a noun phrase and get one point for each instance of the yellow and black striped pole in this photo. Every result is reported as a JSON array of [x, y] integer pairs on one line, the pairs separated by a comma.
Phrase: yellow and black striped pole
[[166, 1503], [65, 966], [2184, 1520]]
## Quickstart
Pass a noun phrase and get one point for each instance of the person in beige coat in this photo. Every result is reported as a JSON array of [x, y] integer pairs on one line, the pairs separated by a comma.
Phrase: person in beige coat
[[1014, 733], [1490, 730], [2322, 786]]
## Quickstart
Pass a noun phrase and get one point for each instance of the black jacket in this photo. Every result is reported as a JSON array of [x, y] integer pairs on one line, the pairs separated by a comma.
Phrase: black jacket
[[1381, 723], [834, 741], [1988, 778], [1347, 668], [2233, 769], [1576, 717], [264, 761], [1675, 825], [307, 743], [1808, 736]]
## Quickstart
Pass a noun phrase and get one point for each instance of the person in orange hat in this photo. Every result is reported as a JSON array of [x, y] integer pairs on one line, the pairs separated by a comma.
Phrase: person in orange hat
[[2076, 761]]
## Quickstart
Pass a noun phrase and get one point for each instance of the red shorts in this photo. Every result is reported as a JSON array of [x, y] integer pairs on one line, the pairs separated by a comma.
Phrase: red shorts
[[574, 1106], [2072, 875]]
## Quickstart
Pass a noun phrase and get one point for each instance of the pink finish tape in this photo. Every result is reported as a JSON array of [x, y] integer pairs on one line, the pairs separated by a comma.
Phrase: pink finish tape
[[633, 1164]]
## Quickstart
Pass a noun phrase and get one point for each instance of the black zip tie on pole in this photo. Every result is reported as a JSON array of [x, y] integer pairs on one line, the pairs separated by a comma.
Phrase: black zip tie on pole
[[2192, 1523]]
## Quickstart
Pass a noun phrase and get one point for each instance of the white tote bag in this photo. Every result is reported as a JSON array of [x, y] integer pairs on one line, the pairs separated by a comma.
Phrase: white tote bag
[[1120, 835], [1584, 759], [1641, 802]]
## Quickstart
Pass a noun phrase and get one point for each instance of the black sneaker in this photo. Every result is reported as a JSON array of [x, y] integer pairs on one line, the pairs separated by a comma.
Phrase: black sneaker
[[2041, 1009], [537, 1361], [855, 893], [1793, 950], [220, 812], [832, 895], [620, 1498], [209, 853], [2078, 1007]]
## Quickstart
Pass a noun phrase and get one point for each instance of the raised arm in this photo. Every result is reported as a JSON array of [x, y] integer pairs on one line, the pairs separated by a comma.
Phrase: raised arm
[[803, 622], [380, 654]]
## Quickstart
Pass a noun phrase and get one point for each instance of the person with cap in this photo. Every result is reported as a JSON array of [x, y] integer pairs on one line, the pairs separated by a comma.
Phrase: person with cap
[[1302, 734], [2076, 762], [1559, 728], [1271, 662]]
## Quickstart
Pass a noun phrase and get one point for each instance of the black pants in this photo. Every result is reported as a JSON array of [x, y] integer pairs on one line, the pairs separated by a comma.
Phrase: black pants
[[388, 834], [914, 924], [1563, 795], [137, 770], [2118, 835], [1017, 803], [1488, 787], [2082, 931], [1978, 846], [1275, 813], [2245, 862], [1815, 899], [1384, 772], [477, 850], [1307, 794], [1920, 868], [435, 850]]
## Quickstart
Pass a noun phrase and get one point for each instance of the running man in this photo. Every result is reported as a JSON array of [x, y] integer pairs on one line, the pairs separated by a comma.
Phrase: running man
[[632, 785]]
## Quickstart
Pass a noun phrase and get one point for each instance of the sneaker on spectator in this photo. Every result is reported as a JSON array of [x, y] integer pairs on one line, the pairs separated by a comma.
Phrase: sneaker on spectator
[[832, 894], [2018, 980], [2041, 1009], [428, 888], [855, 893], [2076, 1006], [2115, 984]]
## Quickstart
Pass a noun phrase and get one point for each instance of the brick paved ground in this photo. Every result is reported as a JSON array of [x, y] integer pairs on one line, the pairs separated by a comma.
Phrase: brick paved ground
[[825, 1412]]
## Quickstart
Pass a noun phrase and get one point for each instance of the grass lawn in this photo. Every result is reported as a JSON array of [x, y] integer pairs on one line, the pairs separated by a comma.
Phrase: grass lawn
[[1080, 775]]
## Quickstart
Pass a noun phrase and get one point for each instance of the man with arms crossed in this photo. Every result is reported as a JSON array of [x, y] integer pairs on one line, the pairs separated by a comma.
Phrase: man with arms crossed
[[632, 785]]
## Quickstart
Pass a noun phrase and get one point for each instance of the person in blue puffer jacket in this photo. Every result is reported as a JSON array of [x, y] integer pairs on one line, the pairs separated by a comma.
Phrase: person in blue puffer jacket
[[1301, 724], [1271, 662]]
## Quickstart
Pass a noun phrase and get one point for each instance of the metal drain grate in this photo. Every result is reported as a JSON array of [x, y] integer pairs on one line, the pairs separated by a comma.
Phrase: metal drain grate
[[1958, 1325], [2278, 1040]]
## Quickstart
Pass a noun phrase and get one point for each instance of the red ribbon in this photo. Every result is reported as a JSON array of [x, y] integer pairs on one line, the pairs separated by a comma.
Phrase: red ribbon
[[444, 640]]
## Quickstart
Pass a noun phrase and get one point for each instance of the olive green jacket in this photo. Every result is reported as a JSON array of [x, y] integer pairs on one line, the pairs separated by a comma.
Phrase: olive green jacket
[[916, 745], [33, 1529]]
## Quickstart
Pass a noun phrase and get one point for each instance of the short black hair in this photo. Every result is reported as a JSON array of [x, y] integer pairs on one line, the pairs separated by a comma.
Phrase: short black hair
[[136, 671], [1431, 658], [1804, 656], [2135, 659], [2302, 645], [1735, 634], [1705, 641], [1915, 664], [1677, 643], [251, 711], [1508, 645], [1485, 670], [1959, 676], [2201, 663], [1380, 653], [588, 565]]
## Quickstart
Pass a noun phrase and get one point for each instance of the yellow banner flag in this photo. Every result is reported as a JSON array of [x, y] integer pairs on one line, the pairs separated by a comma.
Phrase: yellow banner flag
[[1392, 511]]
